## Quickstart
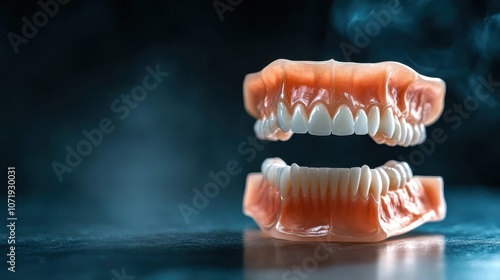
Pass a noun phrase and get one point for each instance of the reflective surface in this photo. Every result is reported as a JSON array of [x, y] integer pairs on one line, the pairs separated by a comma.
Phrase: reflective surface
[[465, 246]]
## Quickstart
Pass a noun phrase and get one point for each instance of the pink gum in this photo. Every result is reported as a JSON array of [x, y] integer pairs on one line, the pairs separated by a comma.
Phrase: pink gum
[[386, 84], [343, 220]]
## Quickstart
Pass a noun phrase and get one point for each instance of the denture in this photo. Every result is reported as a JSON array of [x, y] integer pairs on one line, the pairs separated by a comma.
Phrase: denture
[[390, 102]]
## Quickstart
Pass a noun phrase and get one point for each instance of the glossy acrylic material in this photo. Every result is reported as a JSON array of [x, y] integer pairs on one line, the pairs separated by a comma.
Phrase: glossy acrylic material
[[386, 84], [350, 219]]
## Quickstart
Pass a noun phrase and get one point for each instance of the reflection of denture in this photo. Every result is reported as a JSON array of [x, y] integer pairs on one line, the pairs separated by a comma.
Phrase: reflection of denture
[[390, 102]]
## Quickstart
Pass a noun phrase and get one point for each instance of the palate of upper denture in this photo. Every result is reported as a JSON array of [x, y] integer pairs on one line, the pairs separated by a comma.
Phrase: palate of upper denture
[[388, 101]]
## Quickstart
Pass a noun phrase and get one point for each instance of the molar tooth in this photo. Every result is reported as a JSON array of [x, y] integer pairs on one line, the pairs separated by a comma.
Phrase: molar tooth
[[295, 178], [423, 136], [407, 168], [283, 117], [394, 177], [343, 122], [373, 120], [323, 181], [285, 182], [304, 180], [384, 179], [409, 135], [319, 121], [299, 121], [376, 184], [387, 125], [314, 181], [416, 135], [402, 173], [354, 178], [333, 174], [344, 182], [365, 181], [361, 124]]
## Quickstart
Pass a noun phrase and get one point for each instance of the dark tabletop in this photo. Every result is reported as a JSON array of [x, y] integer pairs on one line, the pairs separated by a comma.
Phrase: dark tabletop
[[465, 246]]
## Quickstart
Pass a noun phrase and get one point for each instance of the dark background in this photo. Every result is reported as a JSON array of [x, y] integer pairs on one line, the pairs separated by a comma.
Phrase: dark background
[[66, 77]]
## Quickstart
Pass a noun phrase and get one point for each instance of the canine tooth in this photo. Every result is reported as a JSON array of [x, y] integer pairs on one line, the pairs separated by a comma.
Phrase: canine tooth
[[333, 174], [344, 182], [277, 176], [402, 172], [283, 117], [375, 186], [397, 131], [319, 121], [273, 126], [387, 123], [295, 178], [364, 181], [343, 122], [304, 179], [403, 131], [314, 181], [354, 177], [373, 120], [285, 182], [299, 121], [323, 181], [384, 179], [361, 124], [394, 177]]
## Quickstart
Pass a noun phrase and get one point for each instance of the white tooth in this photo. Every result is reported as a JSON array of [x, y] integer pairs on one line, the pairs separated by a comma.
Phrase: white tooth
[[361, 126], [423, 135], [409, 135], [257, 130], [277, 176], [403, 131], [344, 182], [319, 121], [304, 180], [387, 123], [365, 181], [416, 135], [314, 181], [376, 185], [333, 174], [285, 182], [272, 123], [354, 178], [295, 178], [284, 117], [384, 179], [299, 120], [323, 181], [397, 131], [402, 172], [343, 122], [265, 166], [373, 120], [409, 173], [264, 127], [394, 177]]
